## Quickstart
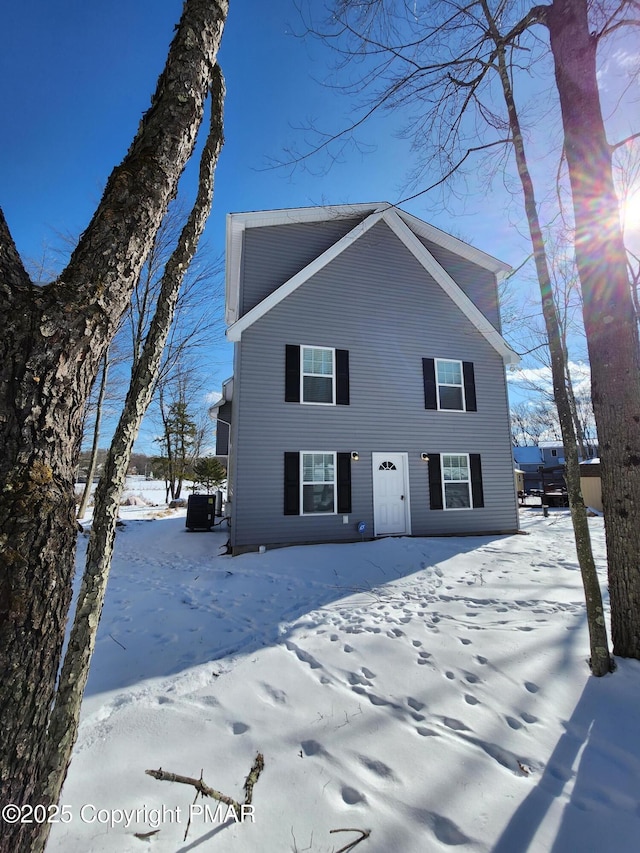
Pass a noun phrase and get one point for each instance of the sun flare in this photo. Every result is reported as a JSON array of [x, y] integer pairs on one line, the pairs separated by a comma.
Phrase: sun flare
[[631, 212]]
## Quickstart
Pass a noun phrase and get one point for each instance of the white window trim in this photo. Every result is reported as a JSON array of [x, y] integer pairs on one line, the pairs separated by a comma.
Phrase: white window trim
[[449, 384], [333, 453], [443, 481], [304, 402]]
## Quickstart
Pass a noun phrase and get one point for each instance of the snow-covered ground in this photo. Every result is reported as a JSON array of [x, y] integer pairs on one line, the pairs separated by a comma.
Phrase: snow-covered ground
[[432, 691]]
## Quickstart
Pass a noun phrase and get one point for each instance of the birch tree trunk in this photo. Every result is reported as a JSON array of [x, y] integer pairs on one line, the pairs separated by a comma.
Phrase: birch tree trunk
[[599, 662], [49, 357], [93, 459], [609, 317]]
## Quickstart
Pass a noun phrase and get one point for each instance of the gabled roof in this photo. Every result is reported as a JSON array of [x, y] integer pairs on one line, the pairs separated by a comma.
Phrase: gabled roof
[[403, 225]]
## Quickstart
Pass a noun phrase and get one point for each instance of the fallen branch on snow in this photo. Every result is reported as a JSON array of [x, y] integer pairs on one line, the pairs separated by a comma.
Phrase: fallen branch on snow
[[364, 833], [204, 790]]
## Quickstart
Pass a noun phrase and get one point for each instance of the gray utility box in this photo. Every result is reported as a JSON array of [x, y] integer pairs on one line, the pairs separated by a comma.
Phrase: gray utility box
[[200, 512]]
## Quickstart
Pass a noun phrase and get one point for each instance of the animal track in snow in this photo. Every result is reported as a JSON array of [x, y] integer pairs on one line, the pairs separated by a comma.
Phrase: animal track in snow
[[312, 747], [278, 696], [303, 656], [377, 767], [456, 725], [351, 796], [424, 731]]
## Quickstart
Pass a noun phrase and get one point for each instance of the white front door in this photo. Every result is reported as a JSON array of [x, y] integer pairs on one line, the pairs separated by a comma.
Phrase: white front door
[[390, 493]]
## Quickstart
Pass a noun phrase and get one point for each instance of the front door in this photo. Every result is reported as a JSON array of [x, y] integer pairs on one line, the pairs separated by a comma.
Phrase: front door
[[390, 493]]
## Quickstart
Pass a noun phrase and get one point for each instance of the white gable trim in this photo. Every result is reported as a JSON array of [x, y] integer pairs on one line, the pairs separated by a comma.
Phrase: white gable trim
[[458, 247], [237, 223], [421, 253], [453, 291], [235, 331]]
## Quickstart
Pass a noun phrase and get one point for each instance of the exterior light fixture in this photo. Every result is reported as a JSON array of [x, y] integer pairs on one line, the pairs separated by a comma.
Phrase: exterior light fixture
[[355, 455], [424, 457]]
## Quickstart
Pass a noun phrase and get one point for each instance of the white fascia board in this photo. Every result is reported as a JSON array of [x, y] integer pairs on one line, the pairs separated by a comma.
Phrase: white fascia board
[[298, 215], [453, 244], [234, 332], [453, 291], [237, 223], [233, 254]]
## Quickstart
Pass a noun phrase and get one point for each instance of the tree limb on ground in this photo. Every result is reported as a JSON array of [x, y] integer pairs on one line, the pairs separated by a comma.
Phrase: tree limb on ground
[[205, 791]]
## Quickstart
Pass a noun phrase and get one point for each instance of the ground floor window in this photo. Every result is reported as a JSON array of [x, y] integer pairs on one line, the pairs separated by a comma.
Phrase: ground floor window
[[456, 481], [318, 482]]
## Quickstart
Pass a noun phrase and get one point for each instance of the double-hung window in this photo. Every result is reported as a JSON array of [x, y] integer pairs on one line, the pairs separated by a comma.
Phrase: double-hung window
[[450, 385], [456, 481], [318, 482], [318, 375]]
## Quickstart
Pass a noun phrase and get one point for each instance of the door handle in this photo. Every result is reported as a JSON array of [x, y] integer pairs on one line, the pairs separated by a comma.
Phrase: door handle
[[401, 497]]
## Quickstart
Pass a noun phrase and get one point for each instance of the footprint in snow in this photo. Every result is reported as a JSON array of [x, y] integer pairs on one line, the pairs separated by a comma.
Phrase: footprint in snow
[[352, 797]]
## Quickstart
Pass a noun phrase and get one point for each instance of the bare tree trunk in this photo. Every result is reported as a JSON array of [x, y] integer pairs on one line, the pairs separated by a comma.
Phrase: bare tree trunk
[[93, 459], [48, 362], [577, 425], [608, 309], [600, 661], [75, 670]]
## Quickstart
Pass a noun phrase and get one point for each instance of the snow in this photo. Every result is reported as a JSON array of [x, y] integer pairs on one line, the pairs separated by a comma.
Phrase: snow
[[432, 691]]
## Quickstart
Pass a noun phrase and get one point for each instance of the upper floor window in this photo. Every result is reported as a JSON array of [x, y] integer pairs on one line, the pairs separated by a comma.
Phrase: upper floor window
[[318, 375], [450, 385]]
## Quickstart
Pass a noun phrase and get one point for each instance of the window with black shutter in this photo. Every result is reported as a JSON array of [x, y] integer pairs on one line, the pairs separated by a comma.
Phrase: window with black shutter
[[449, 385]]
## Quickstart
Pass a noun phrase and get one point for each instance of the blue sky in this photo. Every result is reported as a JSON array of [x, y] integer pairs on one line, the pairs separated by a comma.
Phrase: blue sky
[[76, 76]]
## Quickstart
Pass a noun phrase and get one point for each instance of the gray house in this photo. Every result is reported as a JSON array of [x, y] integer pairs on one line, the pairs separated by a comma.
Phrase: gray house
[[369, 395]]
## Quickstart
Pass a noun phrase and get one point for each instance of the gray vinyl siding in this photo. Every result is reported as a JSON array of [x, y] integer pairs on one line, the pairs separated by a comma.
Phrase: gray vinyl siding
[[272, 255], [478, 283], [376, 301]]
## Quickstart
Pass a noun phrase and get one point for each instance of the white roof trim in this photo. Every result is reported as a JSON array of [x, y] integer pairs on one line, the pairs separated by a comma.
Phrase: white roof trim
[[238, 222], [442, 277], [453, 244], [234, 331], [396, 223]]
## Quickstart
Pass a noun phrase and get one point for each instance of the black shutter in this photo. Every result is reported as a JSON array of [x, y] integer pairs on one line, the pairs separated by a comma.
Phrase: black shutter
[[292, 484], [469, 386], [342, 377], [476, 480], [429, 377], [292, 374], [435, 482], [344, 482]]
